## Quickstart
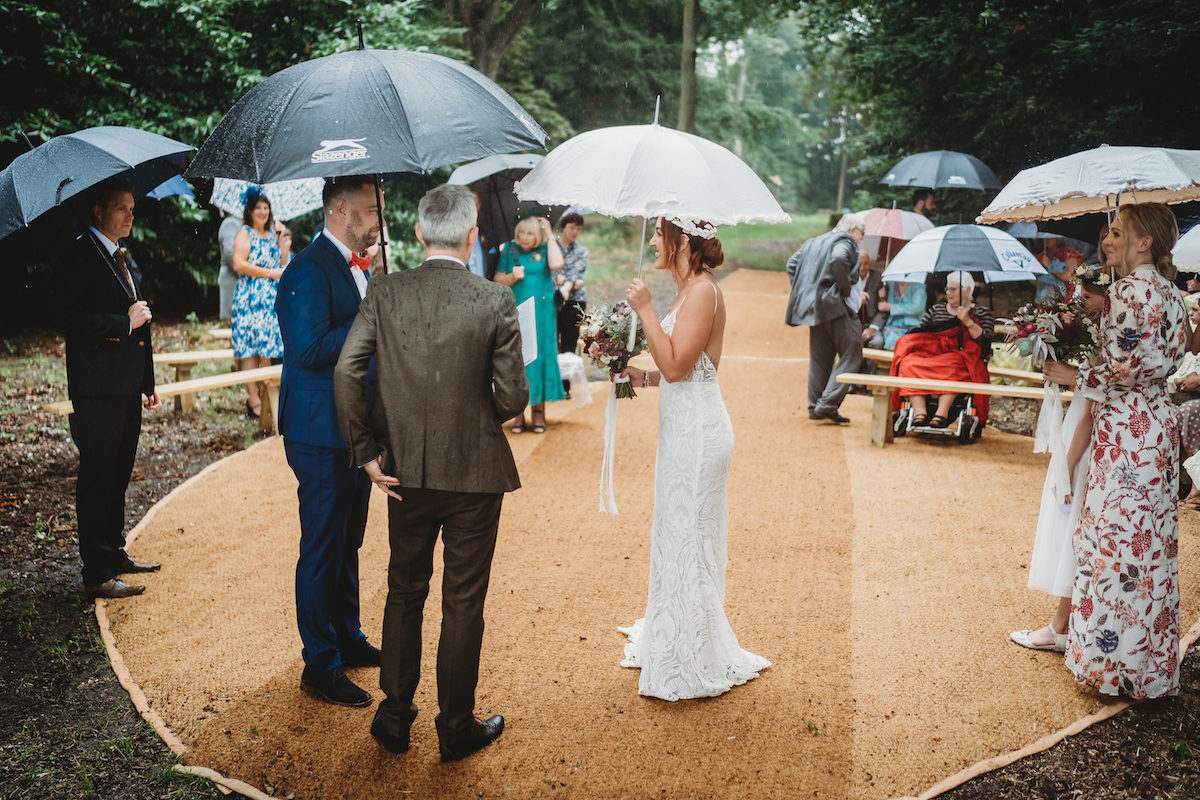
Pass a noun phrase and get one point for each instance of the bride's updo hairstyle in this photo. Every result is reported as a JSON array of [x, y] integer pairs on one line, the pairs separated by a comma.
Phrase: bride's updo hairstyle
[[706, 254], [1156, 221]]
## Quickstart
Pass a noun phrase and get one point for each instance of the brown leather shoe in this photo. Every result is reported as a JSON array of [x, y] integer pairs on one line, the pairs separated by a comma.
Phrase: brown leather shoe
[[113, 588], [136, 566]]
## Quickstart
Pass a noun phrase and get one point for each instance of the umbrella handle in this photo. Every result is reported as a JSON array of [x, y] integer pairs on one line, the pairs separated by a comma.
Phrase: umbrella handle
[[379, 204], [634, 318]]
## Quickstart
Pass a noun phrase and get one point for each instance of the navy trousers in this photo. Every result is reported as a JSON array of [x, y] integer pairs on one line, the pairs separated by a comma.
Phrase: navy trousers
[[333, 516]]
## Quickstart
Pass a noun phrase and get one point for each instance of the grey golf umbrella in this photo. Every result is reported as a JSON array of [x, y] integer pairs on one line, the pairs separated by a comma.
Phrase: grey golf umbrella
[[365, 112], [942, 169], [492, 178], [48, 185]]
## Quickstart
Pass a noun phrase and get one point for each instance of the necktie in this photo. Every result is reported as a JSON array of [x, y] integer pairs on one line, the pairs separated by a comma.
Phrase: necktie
[[120, 257], [362, 262]]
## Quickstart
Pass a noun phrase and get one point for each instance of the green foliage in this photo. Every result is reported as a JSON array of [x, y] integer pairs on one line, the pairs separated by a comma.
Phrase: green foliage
[[1013, 83], [1179, 749]]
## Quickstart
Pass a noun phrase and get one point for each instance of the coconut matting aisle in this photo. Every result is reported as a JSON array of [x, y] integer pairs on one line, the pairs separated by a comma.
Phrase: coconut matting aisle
[[882, 584]]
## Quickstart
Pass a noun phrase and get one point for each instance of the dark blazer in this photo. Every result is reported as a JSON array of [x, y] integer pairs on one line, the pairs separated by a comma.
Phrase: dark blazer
[[316, 305], [873, 316], [821, 272], [90, 308], [448, 350]]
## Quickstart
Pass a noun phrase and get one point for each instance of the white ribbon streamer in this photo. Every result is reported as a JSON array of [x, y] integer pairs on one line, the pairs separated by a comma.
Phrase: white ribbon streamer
[[610, 446], [1049, 438]]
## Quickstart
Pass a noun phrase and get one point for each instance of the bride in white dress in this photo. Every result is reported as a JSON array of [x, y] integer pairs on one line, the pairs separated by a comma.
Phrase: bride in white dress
[[684, 645]]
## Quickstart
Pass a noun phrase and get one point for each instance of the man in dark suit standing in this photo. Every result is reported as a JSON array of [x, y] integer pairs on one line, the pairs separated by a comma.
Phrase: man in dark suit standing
[[100, 311], [449, 370], [823, 273], [318, 299]]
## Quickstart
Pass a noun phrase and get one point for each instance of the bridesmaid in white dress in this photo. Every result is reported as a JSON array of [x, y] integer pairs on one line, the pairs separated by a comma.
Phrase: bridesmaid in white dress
[[1052, 563], [684, 645]]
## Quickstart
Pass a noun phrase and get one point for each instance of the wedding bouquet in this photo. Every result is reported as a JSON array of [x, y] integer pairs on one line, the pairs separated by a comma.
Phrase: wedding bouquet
[[1056, 331], [605, 333]]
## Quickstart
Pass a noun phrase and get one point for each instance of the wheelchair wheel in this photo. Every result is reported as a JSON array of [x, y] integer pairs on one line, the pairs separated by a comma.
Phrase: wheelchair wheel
[[900, 422], [968, 429]]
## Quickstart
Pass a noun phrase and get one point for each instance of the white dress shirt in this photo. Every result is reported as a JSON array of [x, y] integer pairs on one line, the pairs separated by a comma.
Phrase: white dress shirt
[[360, 278]]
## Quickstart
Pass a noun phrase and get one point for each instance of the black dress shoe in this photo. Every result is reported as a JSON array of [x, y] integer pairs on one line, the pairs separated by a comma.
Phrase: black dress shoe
[[480, 736], [113, 588], [393, 744], [334, 687], [136, 566], [362, 654], [832, 416]]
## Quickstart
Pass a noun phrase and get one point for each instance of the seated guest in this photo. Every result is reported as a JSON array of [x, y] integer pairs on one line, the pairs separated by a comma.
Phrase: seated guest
[[904, 306], [952, 343], [1060, 262], [873, 317]]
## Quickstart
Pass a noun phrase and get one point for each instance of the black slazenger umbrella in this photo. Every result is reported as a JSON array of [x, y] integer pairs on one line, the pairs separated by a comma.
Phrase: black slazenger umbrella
[[365, 112], [49, 183], [942, 169]]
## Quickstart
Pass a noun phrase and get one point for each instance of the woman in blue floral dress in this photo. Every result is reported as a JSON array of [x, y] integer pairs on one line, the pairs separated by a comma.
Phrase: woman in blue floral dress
[[259, 260], [526, 265]]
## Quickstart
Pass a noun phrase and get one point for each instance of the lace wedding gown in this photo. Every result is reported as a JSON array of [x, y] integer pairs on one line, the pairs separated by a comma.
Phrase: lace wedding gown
[[684, 645]]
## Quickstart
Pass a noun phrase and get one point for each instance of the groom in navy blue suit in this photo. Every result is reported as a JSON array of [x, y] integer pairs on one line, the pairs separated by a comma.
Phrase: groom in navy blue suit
[[318, 300]]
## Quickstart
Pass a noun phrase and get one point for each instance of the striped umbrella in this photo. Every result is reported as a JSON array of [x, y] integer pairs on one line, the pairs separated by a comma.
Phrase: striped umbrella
[[968, 248]]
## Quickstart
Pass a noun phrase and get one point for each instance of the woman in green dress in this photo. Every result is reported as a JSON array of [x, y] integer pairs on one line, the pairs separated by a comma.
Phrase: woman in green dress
[[526, 266]]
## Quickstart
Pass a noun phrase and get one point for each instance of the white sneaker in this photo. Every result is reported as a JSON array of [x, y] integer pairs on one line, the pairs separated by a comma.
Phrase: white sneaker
[[1022, 638]]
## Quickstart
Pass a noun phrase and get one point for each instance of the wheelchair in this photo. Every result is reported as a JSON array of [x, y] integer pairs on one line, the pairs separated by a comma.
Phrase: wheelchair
[[964, 424]]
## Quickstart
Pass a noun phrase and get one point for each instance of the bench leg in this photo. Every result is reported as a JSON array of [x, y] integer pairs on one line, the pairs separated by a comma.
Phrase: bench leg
[[268, 419], [184, 402], [881, 416]]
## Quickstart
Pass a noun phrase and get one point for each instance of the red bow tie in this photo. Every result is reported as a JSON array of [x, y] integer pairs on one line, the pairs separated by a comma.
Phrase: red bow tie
[[362, 262]]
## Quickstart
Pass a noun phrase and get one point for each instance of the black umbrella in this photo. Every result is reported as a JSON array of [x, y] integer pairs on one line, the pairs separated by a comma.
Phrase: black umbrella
[[50, 182], [492, 178], [365, 112], [942, 169]]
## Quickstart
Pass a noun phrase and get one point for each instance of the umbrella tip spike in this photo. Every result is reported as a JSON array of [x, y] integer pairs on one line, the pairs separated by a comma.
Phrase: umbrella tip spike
[[361, 44], [657, 102]]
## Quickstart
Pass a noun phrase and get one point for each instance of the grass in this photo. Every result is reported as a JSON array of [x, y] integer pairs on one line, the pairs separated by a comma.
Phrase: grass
[[613, 244]]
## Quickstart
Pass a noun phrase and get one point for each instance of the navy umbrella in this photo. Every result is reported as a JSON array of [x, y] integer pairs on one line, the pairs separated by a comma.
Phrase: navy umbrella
[[492, 178], [942, 169], [49, 183]]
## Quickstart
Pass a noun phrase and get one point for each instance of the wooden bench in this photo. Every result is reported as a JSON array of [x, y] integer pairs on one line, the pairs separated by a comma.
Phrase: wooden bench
[[270, 376], [886, 356], [882, 387], [183, 363]]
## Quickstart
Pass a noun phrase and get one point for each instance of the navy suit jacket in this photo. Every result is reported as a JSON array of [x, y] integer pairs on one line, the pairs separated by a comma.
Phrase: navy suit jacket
[[316, 305]]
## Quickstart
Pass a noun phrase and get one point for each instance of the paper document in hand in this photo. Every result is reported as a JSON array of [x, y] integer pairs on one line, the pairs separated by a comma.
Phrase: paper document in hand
[[527, 319]]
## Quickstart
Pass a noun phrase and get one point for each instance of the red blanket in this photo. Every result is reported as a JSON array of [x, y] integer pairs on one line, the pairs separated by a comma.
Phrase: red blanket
[[935, 356]]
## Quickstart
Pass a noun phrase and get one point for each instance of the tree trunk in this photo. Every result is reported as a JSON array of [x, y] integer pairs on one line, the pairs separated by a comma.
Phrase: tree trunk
[[739, 95], [488, 30], [687, 67]]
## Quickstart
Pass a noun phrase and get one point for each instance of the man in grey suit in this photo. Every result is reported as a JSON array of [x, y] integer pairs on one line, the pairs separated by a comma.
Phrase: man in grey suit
[[823, 272], [447, 350]]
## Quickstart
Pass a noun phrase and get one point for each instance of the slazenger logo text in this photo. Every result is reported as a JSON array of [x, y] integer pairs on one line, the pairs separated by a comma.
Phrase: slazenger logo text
[[340, 150]]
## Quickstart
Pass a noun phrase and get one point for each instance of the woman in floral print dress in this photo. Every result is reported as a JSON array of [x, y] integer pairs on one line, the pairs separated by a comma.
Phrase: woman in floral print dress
[[1124, 627]]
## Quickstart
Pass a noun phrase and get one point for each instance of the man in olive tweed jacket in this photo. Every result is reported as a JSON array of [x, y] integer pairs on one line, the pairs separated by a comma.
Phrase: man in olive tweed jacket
[[448, 370]]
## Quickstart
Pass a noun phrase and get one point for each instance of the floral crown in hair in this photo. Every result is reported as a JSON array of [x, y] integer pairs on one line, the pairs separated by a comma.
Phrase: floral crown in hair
[[705, 230], [1093, 274]]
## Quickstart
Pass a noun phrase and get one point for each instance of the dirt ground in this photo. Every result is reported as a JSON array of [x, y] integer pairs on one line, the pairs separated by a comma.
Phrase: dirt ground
[[67, 729]]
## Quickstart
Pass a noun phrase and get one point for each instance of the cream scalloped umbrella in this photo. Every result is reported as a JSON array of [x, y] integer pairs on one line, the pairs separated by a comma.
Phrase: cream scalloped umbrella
[[1096, 181], [651, 171]]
